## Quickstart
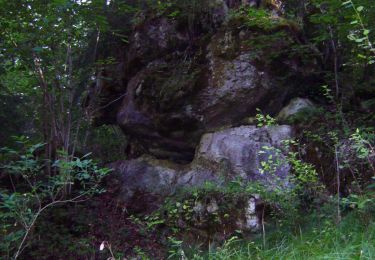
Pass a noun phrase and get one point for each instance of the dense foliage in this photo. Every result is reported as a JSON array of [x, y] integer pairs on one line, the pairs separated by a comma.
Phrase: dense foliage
[[52, 53]]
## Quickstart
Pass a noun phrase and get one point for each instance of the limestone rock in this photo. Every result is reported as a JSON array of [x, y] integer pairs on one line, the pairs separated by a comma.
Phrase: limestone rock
[[171, 86], [250, 220], [222, 156], [241, 150], [295, 106]]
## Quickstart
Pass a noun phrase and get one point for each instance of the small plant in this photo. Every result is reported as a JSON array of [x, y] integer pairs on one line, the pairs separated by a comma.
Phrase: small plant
[[264, 120], [74, 180], [363, 148], [360, 36], [176, 250], [362, 202], [286, 193], [153, 220], [272, 162], [140, 253], [327, 93], [303, 172]]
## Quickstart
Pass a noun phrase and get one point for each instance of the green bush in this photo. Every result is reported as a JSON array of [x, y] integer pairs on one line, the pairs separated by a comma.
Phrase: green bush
[[32, 191]]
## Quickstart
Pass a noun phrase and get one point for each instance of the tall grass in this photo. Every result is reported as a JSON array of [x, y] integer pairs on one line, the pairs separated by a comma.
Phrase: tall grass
[[353, 238]]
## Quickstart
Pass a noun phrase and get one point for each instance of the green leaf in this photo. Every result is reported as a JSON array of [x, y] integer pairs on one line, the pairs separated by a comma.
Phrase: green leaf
[[362, 56], [366, 32], [359, 40], [37, 49], [360, 8]]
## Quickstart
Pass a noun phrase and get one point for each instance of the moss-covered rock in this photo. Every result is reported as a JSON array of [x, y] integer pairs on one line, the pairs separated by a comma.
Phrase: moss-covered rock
[[177, 84]]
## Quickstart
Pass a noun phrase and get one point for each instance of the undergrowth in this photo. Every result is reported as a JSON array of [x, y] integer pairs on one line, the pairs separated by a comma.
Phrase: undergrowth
[[318, 238]]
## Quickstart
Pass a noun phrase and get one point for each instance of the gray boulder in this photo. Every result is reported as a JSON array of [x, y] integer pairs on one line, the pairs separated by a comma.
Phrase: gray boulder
[[295, 106], [240, 151], [222, 156]]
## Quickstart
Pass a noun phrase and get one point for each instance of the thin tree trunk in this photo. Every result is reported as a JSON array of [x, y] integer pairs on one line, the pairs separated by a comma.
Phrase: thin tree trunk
[[335, 62], [338, 184], [46, 120]]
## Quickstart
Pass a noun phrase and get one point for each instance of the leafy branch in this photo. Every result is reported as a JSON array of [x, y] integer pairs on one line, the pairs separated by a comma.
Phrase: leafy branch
[[76, 180], [363, 40]]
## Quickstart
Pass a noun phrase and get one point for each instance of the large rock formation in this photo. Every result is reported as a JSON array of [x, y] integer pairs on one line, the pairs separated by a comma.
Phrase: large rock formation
[[222, 156], [234, 154], [182, 94], [175, 83]]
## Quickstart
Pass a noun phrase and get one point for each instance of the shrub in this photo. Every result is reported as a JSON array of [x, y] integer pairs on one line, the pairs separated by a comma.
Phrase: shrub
[[31, 191]]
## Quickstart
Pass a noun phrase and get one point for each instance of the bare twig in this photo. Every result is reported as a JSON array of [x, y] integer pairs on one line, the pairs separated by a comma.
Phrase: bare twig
[[29, 227]]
